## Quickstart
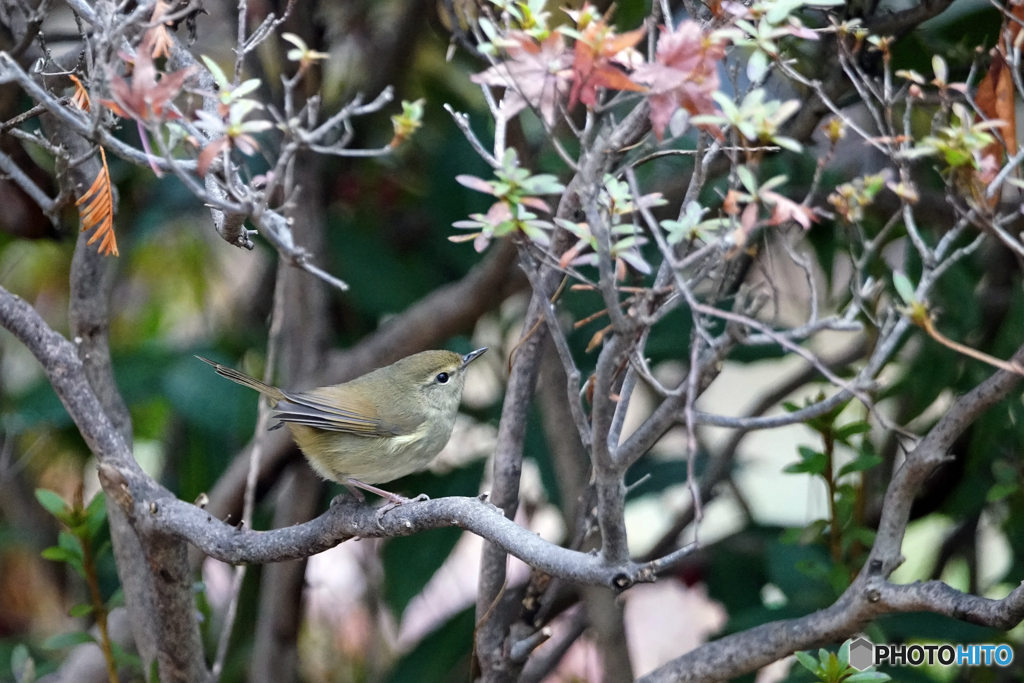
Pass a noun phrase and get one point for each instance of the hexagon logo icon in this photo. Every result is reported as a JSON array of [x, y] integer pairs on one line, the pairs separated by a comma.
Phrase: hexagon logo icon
[[862, 654]]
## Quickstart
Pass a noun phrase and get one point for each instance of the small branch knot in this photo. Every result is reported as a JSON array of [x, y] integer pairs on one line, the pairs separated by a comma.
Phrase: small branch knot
[[116, 486], [244, 239]]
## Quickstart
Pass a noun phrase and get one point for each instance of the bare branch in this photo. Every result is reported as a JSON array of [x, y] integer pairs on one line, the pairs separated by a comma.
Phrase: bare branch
[[21, 179]]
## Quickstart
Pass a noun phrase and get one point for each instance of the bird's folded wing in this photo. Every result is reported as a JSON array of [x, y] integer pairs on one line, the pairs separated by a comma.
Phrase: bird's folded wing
[[314, 411]]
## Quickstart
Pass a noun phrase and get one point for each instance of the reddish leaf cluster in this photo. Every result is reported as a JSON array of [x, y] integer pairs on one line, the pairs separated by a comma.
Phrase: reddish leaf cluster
[[146, 98], [540, 73], [536, 74], [594, 62], [684, 74]]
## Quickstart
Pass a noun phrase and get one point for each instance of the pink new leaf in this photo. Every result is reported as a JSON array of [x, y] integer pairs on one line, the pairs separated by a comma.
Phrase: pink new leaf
[[786, 210], [684, 74], [535, 74], [474, 183]]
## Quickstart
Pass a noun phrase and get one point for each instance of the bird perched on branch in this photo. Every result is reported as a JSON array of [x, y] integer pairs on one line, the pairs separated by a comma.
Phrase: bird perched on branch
[[376, 428]]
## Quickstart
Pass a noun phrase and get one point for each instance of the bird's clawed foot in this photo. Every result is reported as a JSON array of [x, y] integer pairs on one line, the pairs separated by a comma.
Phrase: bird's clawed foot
[[394, 500]]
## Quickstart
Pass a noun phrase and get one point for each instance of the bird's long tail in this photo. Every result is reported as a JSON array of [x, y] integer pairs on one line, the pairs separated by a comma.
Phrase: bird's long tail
[[245, 380]]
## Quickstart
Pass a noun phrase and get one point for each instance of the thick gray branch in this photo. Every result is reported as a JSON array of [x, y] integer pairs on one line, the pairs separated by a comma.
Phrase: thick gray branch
[[348, 519]]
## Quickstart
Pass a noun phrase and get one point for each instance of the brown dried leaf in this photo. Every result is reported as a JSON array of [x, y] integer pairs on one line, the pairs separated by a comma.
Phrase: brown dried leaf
[[81, 97], [995, 97], [97, 210]]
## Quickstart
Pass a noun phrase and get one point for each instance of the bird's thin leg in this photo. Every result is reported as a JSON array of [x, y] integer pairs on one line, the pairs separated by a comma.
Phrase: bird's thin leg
[[356, 493], [392, 497], [394, 500]]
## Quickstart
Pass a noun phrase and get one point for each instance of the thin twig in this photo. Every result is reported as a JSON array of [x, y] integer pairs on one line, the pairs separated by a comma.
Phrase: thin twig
[[276, 322]]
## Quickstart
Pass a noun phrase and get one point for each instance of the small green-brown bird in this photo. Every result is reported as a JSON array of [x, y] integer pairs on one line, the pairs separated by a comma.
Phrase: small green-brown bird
[[376, 428]]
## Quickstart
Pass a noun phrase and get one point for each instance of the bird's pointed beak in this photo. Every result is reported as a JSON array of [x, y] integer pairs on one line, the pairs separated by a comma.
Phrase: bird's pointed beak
[[472, 356]]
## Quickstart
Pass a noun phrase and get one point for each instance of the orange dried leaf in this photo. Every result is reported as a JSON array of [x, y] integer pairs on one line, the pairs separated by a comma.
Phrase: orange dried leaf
[[81, 97], [161, 43], [97, 210]]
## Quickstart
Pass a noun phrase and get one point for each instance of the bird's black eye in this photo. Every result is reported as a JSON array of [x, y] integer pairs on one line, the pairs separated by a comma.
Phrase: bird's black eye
[[442, 378]]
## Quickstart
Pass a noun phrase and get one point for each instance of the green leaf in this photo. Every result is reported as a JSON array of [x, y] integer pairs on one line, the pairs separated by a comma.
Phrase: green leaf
[[56, 554], [245, 87], [22, 665], [72, 551], [543, 183], [70, 542], [807, 661], [116, 599], [54, 504], [510, 161], [846, 431], [807, 453], [218, 73], [1000, 491], [903, 288], [940, 69], [63, 640], [863, 462], [95, 514], [772, 183], [816, 467], [757, 65], [834, 670], [812, 462], [747, 178], [787, 143], [844, 655], [67, 555], [80, 610], [778, 11]]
